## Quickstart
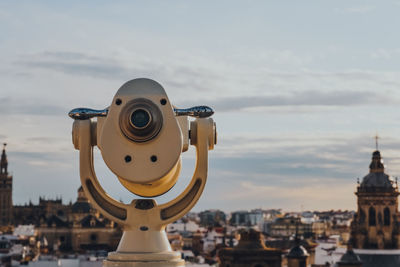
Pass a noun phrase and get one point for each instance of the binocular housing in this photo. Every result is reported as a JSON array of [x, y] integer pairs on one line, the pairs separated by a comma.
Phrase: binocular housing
[[141, 136]]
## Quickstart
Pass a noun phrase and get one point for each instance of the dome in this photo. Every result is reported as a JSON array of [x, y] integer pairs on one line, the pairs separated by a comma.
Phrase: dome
[[81, 207], [82, 204], [377, 180], [297, 252], [350, 258], [377, 176]]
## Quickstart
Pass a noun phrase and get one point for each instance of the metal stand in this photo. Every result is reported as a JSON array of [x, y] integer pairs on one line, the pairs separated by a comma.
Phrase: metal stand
[[144, 242]]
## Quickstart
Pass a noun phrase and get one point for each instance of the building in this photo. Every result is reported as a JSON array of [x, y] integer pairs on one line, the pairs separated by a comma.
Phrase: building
[[212, 218], [68, 227], [251, 251], [72, 227], [268, 218], [38, 214], [6, 205], [245, 218], [376, 224], [288, 227], [375, 235]]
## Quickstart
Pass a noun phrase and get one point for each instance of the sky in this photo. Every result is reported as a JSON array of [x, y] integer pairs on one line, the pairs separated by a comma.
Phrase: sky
[[299, 89]]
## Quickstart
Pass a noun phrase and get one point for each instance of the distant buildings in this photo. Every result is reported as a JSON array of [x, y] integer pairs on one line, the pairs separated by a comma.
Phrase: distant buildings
[[72, 227], [374, 229], [246, 218], [289, 226], [255, 217], [251, 251], [213, 218]]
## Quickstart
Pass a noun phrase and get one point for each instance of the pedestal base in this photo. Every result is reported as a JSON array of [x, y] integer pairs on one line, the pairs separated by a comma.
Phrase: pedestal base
[[160, 259]]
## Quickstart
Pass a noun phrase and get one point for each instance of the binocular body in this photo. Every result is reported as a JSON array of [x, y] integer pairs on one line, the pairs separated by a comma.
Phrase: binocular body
[[141, 137]]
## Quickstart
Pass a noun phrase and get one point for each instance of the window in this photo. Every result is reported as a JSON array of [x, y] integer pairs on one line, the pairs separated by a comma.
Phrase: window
[[386, 216], [93, 237], [372, 216]]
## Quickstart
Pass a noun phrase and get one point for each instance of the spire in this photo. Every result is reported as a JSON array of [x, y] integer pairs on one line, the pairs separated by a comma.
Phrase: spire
[[298, 252], [3, 161]]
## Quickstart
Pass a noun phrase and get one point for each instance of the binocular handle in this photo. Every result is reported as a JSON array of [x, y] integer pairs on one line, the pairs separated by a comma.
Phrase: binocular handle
[[197, 112], [88, 113]]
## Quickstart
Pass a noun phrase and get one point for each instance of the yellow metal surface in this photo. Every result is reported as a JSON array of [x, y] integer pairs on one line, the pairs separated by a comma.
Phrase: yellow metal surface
[[114, 146], [155, 188]]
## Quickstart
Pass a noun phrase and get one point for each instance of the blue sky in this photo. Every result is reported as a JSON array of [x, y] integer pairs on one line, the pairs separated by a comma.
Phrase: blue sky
[[299, 87]]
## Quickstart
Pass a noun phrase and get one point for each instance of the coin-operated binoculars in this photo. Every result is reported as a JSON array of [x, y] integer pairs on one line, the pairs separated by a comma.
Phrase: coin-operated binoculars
[[141, 137]]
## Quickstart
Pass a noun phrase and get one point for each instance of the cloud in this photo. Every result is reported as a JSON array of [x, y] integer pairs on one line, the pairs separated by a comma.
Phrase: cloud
[[276, 172], [175, 74], [12, 105], [357, 9], [283, 160], [301, 98], [309, 195], [213, 79], [53, 160], [386, 54], [76, 63], [273, 171]]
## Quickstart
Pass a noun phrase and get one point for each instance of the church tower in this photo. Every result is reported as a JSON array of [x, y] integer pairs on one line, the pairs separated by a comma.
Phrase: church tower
[[5, 191], [376, 223]]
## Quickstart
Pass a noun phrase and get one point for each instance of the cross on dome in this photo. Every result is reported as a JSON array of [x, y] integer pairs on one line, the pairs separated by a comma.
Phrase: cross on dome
[[376, 141]]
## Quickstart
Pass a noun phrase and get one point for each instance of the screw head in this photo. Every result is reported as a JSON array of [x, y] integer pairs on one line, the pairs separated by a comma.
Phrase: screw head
[[128, 158]]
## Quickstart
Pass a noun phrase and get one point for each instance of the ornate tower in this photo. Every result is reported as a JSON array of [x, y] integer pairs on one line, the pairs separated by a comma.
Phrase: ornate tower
[[375, 225], [5, 191]]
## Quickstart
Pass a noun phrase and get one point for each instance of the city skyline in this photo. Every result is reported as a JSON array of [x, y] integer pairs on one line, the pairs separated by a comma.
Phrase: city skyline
[[299, 91]]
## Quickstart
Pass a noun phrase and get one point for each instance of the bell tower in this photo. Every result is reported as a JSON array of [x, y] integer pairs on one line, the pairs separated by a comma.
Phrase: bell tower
[[376, 224], [5, 191]]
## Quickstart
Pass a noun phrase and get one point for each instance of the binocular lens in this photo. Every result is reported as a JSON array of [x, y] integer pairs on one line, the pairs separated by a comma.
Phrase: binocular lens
[[140, 118]]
